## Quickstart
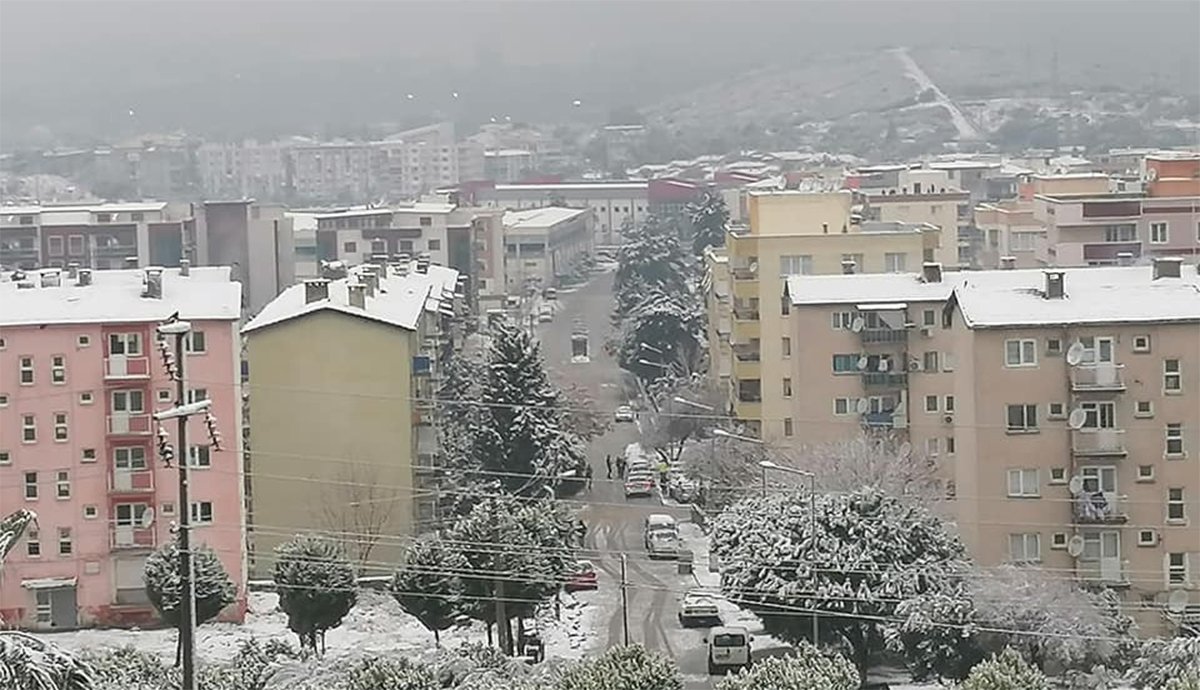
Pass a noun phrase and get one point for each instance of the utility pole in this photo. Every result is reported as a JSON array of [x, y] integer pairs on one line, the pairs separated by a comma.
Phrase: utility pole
[[624, 600]]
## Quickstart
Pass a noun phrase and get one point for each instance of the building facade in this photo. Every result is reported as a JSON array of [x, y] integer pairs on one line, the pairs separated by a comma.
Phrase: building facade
[[543, 244], [79, 380]]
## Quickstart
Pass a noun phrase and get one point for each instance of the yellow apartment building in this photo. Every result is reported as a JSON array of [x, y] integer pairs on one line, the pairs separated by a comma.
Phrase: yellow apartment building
[[789, 233], [341, 436]]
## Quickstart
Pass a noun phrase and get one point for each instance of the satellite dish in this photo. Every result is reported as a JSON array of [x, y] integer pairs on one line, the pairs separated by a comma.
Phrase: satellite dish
[[1075, 353], [863, 362], [147, 519], [1077, 418], [1075, 485], [1075, 546], [863, 405], [857, 324], [905, 450], [885, 364], [1178, 601]]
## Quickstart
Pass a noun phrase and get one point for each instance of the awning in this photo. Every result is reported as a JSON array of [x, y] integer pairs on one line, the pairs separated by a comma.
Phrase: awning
[[48, 583], [882, 306]]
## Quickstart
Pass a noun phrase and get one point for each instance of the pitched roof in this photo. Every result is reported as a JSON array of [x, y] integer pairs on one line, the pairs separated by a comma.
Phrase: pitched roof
[[540, 217]]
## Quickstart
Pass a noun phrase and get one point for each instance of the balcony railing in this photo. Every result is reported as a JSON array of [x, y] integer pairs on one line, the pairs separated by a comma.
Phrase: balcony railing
[[1104, 376], [1110, 572], [746, 353], [122, 367], [1098, 442], [744, 273], [131, 481], [745, 314], [883, 335], [879, 420], [1099, 508], [129, 424], [132, 537], [877, 379]]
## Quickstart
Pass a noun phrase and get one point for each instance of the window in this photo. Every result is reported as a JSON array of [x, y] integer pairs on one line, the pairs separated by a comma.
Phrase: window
[[164, 395], [949, 403], [75, 245], [26, 370], [1143, 408], [54, 245], [5, 457], [1023, 483], [129, 458], [1056, 410], [787, 426], [3, 343], [1145, 473], [124, 343], [28, 428], [1158, 233], [3, 399], [1099, 415], [950, 445], [947, 361], [1053, 346], [1058, 475], [843, 320], [929, 318], [1120, 233], [31, 486], [843, 406], [1176, 511], [1022, 418], [894, 262], [199, 456], [167, 508], [197, 394], [1172, 376], [58, 370], [435, 245], [932, 447], [856, 258], [84, 341], [931, 403], [103, 217], [202, 512], [1025, 547], [1147, 537], [137, 216], [62, 484], [64, 541], [426, 221], [929, 361], [786, 346], [787, 387], [1058, 540], [845, 364], [349, 247], [129, 514], [88, 455], [60, 427], [33, 545], [195, 343], [1020, 353], [90, 512], [1175, 439], [1141, 343], [86, 398], [798, 265], [1177, 568]]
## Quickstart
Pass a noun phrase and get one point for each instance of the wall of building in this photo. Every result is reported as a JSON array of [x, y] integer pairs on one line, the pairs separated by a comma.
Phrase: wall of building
[[793, 213]]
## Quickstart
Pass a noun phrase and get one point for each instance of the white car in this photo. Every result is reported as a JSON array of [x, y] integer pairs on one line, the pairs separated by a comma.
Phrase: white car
[[624, 413], [545, 314], [698, 607], [662, 545], [728, 649]]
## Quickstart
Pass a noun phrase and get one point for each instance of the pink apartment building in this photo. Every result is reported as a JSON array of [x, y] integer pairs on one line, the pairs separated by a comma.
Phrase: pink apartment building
[[80, 377]]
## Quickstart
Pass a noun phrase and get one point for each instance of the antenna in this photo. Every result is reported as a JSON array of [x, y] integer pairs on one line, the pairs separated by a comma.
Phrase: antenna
[[884, 364], [1077, 418], [147, 520], [1075, 546], [905, 450], [863, 362], [857, 325], [863, 405], [1075, 353], [1075, 485], [1178, 601]]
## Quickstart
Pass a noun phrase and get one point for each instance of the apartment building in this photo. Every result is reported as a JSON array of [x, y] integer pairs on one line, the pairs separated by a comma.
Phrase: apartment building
[[544, 243], [422, 159], [1100, 229], [613, 204], [790, 232], [508, 165], [1008, 229], [245, 169], [79, 381], [342, 373]]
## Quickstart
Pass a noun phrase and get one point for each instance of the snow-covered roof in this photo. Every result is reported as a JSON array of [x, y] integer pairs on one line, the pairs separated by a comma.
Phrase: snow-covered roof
[[574, 186], [1098, 294], [83, 210], [302, 222], [115, 296], [352, 213], [867, 288], [540, 218], [962, 164], [502, 153], [432, 207]]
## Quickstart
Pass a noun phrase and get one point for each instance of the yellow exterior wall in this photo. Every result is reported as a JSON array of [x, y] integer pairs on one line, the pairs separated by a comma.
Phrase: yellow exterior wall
[[790, 213], [331, 423]]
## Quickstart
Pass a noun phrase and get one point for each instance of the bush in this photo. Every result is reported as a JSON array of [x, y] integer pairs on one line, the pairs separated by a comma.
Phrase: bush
[[316, 587], [808, 670], [1006, 671]]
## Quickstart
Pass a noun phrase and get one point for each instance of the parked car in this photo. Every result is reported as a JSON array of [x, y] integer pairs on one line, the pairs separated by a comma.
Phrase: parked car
[[550, 293], [659, 522], [728, 649], [545, 314], [682, 489], [624, 413], [662, 545], [583, 578], [637, 484], [698, 607]]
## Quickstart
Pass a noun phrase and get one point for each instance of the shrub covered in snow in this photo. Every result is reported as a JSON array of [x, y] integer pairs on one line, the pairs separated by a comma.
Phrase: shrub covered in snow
[[623, 668], [379, 673], [1164, 661], [428, 585], [1006, 671], [28, 663], [214, 590], [316, 587], [809, 669]]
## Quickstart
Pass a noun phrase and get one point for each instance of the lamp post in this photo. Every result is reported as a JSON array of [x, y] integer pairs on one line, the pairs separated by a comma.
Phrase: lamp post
[[812, 514]]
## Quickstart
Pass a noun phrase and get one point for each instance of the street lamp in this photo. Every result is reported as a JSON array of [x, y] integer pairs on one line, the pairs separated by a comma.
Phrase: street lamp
[[737, 437], [693, 403], [812, 514], [651, 348]]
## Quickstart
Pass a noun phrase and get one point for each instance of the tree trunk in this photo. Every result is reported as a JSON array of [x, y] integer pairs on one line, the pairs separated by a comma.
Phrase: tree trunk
[[860, 654], [178, 651], [437, 638], [491, 642]]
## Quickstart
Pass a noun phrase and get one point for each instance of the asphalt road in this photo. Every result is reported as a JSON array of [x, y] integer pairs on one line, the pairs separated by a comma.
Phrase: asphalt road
[[614, 522]]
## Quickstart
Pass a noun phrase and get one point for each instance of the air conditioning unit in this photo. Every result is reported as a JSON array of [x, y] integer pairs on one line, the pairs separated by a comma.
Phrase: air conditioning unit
[[948, 418], [927, 331], [914, 364]]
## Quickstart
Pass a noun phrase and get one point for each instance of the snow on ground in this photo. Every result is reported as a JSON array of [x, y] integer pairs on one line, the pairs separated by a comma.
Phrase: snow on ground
[[582, 625]]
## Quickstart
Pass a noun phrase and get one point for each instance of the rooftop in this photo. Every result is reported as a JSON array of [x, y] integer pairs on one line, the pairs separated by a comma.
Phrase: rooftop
[[101, 207], [862, 288], [115, 296], [540, 218], [574, 186]]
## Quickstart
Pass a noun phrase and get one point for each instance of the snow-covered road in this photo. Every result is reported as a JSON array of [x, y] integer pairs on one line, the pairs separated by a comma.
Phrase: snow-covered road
[[966, 130]]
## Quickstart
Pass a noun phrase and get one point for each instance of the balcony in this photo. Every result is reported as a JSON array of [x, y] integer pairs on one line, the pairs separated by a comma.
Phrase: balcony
[[745, 313], [1099, 508], [875, 379], [132, 537], [1104, 376], [748, 410], [131, 481], [747, 369], [129, 425], [876, 336], [122, 368], [1098, 442], [744, 273], [879, 420], [1102, 572]]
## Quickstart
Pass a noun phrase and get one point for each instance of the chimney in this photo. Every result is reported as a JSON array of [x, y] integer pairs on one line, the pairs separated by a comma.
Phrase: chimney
[[51, 278], [185, 267], [380, 260], [1167, 267], [73, 270], [370, 279], [848, 266], [931, 272], [1124, 258], [356, 295], [316, 290], [1008, 263], [131, 262], [1054, 285], [402, 269], [153, 283], [85, 277]]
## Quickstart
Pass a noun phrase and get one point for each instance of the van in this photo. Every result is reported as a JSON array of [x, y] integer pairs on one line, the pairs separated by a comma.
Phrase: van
[[660, 522], [550, 293], [728, 649]]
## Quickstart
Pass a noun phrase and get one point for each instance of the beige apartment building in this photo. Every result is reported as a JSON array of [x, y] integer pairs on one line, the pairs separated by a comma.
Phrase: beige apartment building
[[789, 233], [1009, 229], [341, 441], [1061, 405]]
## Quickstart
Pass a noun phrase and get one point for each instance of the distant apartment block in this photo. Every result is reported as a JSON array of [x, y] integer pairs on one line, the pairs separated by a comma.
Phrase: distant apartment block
[[80, 377], [540, 245], [417, 161], [344, 172], [342, 373], [247, 169], [162, 168], [508, 165]]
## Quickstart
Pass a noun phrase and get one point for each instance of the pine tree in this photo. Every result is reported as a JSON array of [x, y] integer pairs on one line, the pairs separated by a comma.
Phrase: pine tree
[[316, 587], [710, 221], [1006, 671], [428, 585], [164, 587], [671, 324]]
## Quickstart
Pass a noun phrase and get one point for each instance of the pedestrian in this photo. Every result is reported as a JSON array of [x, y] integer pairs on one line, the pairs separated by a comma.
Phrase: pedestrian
[[620, 467], [587, 473], [608, 464]]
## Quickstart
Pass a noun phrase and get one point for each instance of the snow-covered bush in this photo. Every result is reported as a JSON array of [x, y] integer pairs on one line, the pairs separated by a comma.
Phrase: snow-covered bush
[[377, 673], [710, 220], [28, 663], [316, 587], [936, 632], [1006, 671], [214, 590], [623, 668], [809, 669], [1162, 661], [428, 585], [129, 668], [871, 552]]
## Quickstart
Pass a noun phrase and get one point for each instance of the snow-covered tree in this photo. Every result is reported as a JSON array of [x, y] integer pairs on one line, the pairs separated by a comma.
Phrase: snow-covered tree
[[1006, 671], [674, 425], [936, 632], [583, 418], [651, 258], [381, 673], [664, 329], [30, 663], [871, 551], [12, 527], [316, 587], [861, 461], [807, 669], [1163, 661], [428, 585], [125, 668], [164, 587], [726, 470], [710, 221], [623, 668]]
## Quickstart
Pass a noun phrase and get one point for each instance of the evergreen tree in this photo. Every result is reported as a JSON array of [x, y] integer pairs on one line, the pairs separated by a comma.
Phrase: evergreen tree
[[164, 587], [710, 221], [670, 323], [428, 585], [807, 669], [651, 258], [316, 587], [1006, 671]]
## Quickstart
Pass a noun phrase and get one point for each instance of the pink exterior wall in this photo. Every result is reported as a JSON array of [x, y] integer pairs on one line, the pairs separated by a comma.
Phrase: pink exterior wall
[[93, 561]]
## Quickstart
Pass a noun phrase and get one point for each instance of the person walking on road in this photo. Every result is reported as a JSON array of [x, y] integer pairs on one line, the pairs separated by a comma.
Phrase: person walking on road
[[620, 467], [587, 474], [608, 465]]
